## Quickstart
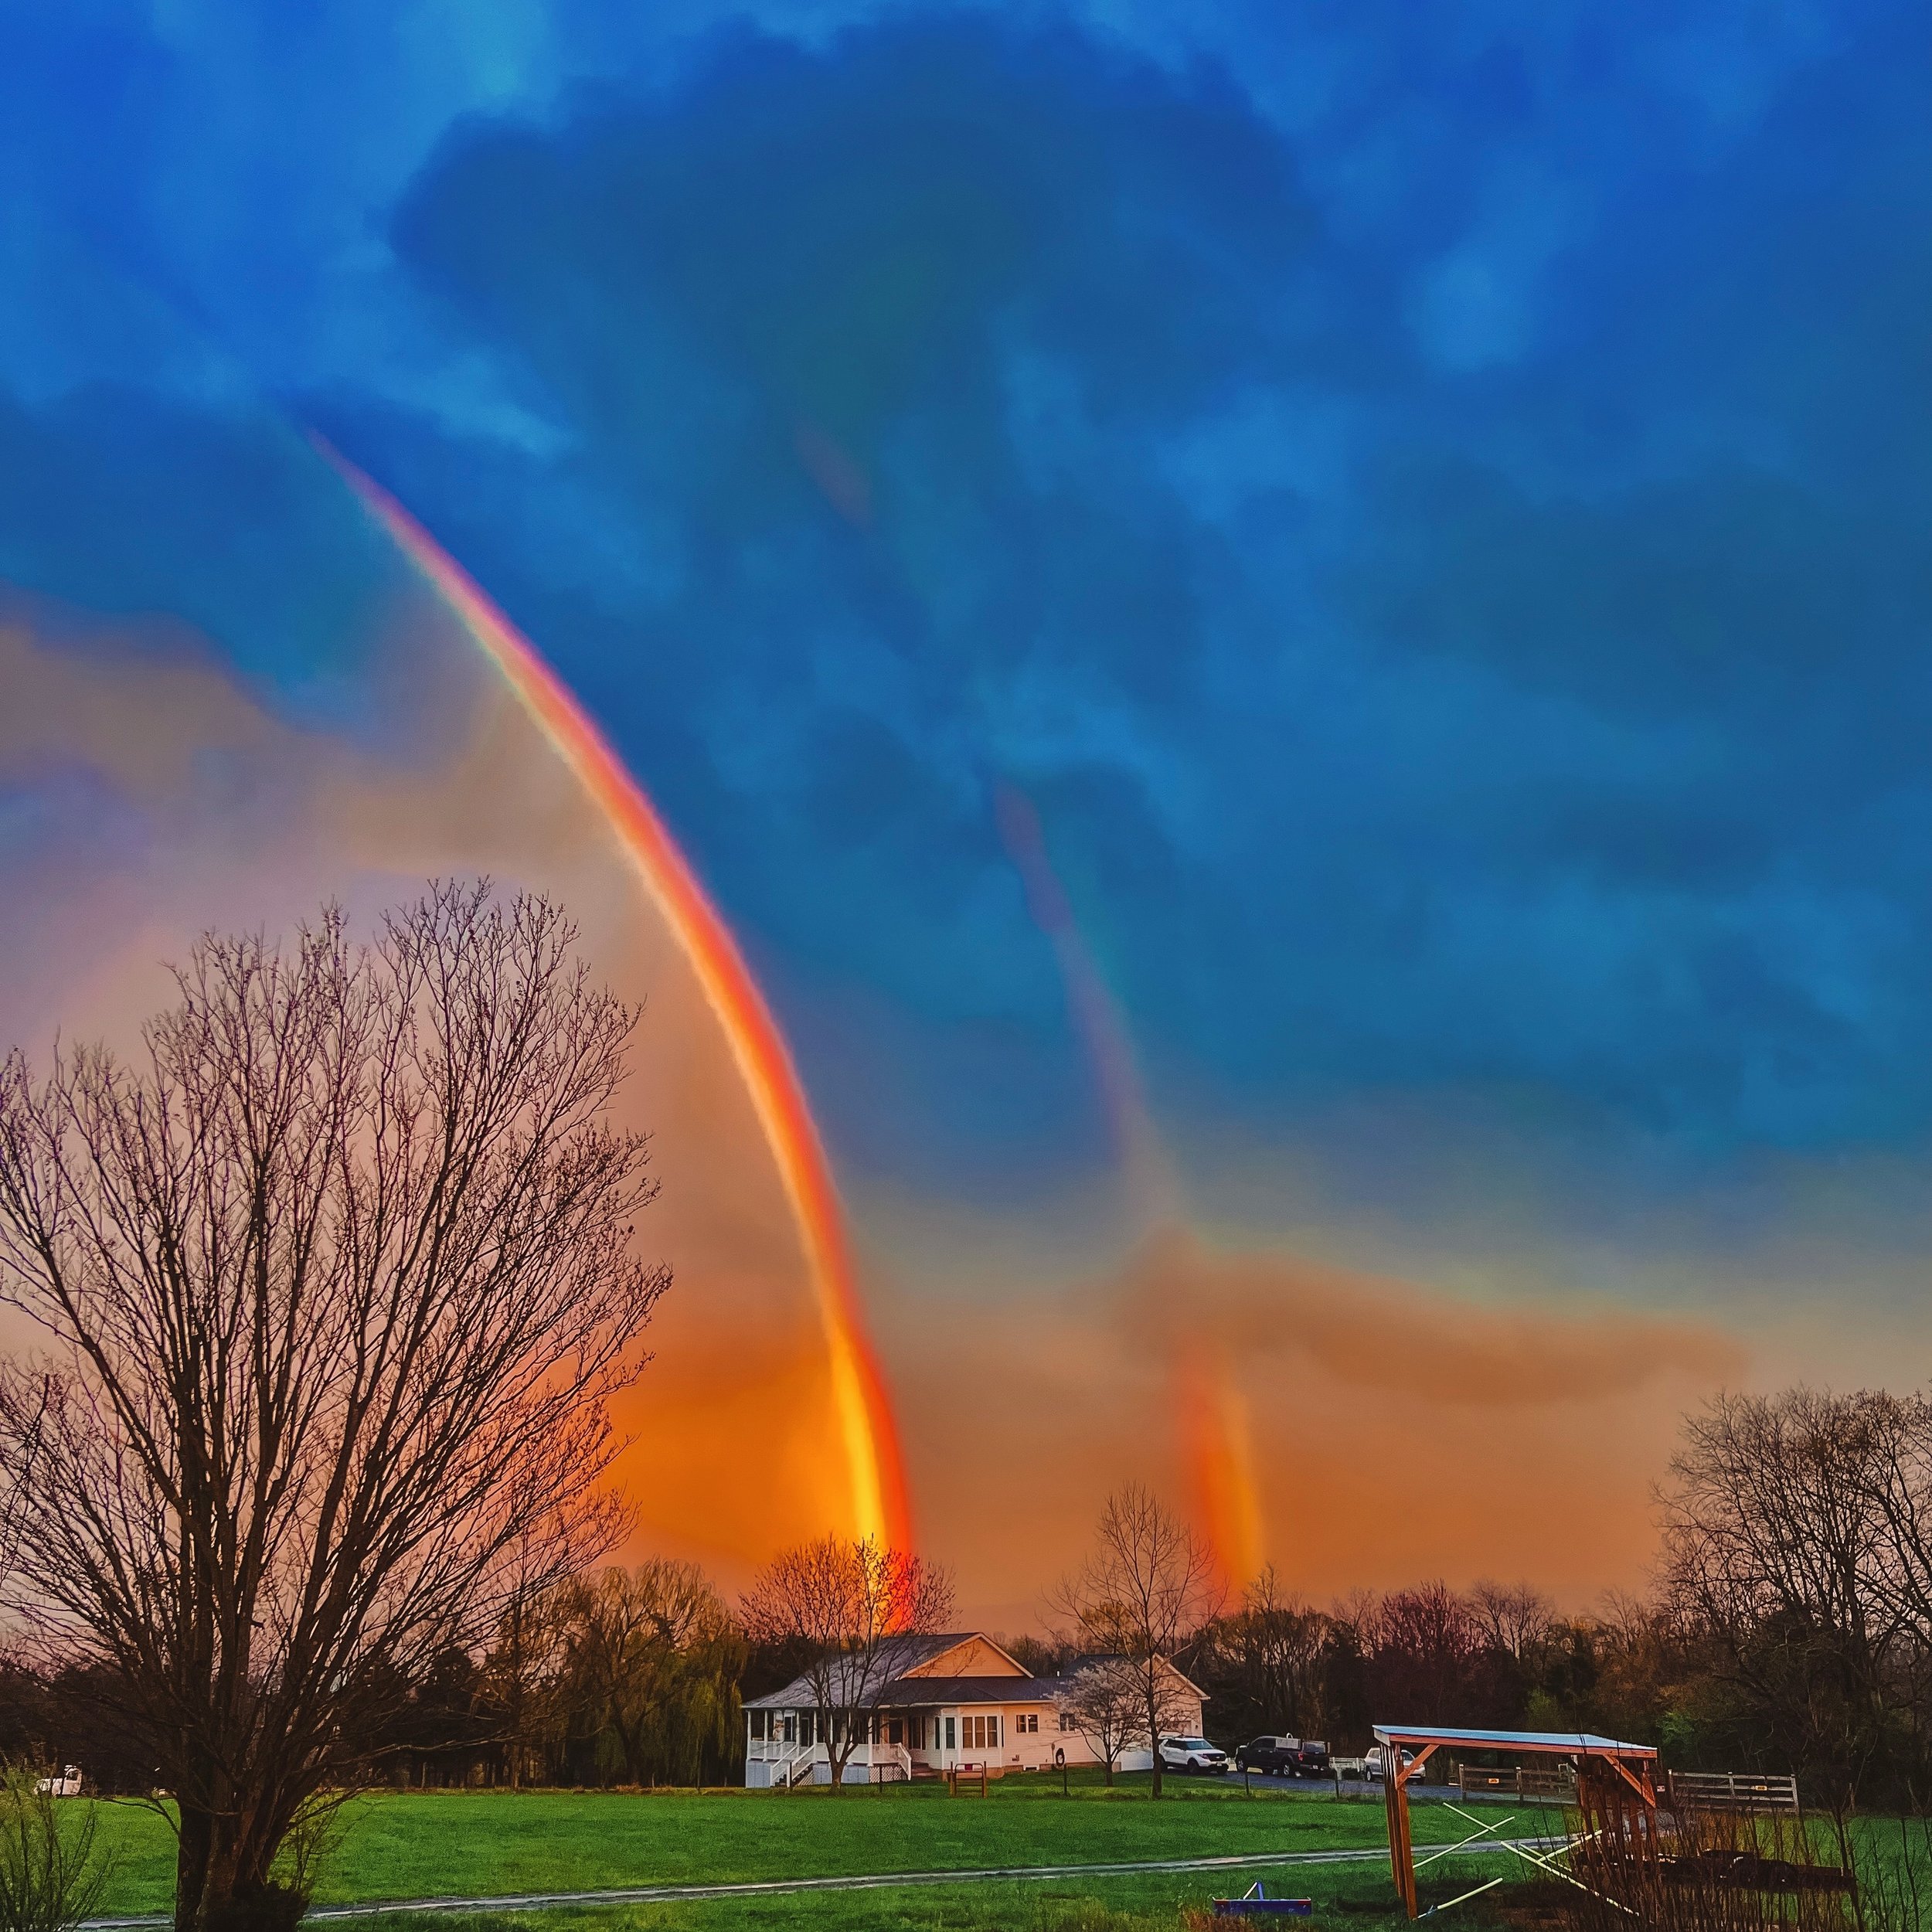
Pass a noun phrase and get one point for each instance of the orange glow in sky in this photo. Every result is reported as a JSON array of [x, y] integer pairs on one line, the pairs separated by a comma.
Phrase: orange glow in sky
[[880, 1505]]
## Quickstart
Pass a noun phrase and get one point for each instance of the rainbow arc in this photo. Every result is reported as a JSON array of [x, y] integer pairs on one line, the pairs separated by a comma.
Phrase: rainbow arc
[[880, 1504]]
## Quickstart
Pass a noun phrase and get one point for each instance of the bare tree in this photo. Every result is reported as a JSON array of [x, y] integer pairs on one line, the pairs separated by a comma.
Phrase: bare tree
[[523, 1669], [853, 1608], [1144, 1591], [520, 1676], [1516, 1617], [1793, 1534], [336, 1279], [1274, 1647], [1430, 1654]]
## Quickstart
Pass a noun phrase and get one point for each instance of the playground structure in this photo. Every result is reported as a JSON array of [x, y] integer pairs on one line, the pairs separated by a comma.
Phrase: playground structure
[[1616, 1793]]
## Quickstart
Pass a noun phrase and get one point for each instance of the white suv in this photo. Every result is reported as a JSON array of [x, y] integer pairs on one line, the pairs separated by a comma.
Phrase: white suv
[[1192, 1754]]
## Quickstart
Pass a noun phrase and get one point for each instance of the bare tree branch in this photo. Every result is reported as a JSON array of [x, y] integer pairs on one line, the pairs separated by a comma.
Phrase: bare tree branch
[[1145, 1590], [853, 1608], [336, 1286]]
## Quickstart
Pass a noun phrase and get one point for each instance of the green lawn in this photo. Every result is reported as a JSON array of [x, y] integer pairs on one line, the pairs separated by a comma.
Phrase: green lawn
[[1357, 1899], [480, 1844]]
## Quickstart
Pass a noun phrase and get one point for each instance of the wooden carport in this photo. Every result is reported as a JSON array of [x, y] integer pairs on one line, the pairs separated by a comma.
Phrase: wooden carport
[[1614, 1780]]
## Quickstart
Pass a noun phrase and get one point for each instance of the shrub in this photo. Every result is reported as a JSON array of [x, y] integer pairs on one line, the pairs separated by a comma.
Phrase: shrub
[[51, 1874]]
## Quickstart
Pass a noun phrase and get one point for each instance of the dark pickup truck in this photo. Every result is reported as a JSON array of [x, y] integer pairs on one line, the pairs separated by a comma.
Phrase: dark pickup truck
[[1285, 1757]]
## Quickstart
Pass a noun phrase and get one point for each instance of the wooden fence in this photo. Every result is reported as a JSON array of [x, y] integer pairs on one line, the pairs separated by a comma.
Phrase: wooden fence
[[1731, 1792], [1542, 1784], [1683, 1790]]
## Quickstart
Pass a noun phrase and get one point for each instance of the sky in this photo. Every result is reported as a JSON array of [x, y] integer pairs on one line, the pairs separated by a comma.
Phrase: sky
[[1292, 638]]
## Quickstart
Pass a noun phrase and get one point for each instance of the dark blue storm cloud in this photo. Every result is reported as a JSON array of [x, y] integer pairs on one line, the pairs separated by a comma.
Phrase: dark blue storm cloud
[[1433, 512]]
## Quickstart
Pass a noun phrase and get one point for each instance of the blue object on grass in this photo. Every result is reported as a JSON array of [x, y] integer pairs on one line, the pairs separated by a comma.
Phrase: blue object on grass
[[1255, 1900]]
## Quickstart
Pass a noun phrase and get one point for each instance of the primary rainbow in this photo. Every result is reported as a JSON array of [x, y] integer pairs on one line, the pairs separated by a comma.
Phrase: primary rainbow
[[880, 1507]]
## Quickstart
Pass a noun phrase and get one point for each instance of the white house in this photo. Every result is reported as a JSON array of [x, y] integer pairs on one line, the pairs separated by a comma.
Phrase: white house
[[955, 1702]]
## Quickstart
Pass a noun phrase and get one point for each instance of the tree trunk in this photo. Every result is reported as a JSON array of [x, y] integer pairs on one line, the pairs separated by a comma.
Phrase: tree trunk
[[194, 1847], [1154, 1730], [630, 1742], [209, 1868], [836, 1758]]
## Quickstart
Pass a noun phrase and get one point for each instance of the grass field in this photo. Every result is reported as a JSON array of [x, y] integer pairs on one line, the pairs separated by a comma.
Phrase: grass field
[[479, 1844]]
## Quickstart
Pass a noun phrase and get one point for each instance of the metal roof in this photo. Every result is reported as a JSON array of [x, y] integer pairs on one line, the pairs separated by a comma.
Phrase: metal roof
[[925, 1692], [1569, 1742], [974, 1690]]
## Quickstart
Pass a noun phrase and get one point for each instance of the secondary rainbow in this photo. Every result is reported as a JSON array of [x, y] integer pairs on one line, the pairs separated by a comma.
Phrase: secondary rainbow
[[1210, 1415], [880, 1504]]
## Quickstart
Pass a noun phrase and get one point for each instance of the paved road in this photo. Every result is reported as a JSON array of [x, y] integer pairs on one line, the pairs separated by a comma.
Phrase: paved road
[[869, 1881]]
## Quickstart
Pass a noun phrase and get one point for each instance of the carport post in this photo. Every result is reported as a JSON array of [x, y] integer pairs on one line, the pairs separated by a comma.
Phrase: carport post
[[1402, 1855], [1402, 1866]]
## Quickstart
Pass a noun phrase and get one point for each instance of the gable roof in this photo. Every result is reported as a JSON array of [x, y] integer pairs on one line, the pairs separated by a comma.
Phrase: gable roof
[[921, 1680], [971, 1641], [902, 1654], [907, 1693], [973, 1690], [1089, 1658]]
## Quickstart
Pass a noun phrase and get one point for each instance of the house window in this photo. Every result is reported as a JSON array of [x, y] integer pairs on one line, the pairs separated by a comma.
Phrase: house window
[[1027, 1721], [949, 1733], [1067, 1721], [895, 1731], [759, 1720], [805, 1726], [982, 1734]]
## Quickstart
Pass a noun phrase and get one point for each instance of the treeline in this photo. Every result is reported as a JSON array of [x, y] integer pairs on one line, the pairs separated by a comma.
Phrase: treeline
[[637, 1677], [1797, 1558], [1790, 1628], [1495, 1657], [628, 1676]]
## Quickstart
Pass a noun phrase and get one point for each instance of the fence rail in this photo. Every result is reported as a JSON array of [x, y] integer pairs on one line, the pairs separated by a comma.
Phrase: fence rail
[[1732, 1792], [1529, 1782]]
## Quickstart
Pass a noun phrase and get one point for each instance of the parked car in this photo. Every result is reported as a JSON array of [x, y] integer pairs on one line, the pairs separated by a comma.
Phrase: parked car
[[1192, 1754], [1376, 1763], [1284, 1756]]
